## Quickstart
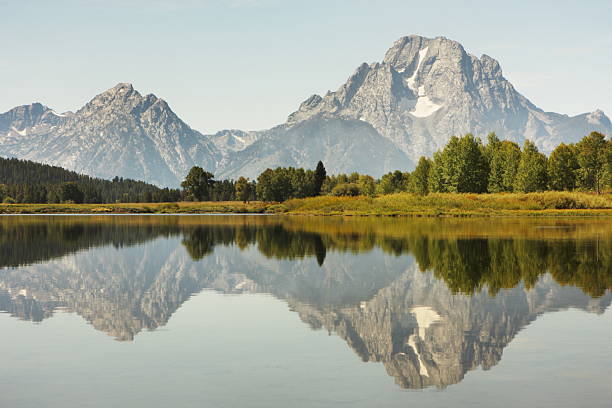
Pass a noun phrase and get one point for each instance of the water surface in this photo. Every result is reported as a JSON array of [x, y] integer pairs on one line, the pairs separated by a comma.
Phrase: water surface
[[266, 311]]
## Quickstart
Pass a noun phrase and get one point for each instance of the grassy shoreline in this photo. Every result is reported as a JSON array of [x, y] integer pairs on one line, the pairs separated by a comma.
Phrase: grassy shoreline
[[553, 204]]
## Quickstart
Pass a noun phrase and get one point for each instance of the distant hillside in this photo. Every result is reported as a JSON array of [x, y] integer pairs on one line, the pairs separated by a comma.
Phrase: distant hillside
[[28, 181]]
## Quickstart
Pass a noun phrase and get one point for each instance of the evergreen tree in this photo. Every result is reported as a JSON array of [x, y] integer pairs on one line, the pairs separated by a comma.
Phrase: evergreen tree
[[146, 197], [70, 192], [319, 177], [420, 177], [594, 158], [198, 184], [532, 170], [252, 191], [30, 182], [222, 190], [264, 186], [562, 168]]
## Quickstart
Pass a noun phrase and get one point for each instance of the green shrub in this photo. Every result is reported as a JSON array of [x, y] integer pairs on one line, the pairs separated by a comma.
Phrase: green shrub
[[346, 190]]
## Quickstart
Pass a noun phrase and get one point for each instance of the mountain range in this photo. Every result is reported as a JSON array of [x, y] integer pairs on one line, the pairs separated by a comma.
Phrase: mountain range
[[383, 118]]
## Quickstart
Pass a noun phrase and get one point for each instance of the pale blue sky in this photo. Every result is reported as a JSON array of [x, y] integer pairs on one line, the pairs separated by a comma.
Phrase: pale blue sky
[[247, 64]]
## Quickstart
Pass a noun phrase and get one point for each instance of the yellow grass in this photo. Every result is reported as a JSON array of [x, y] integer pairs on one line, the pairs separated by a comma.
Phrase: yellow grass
[[400, 204], [137, 208], [448, 204]]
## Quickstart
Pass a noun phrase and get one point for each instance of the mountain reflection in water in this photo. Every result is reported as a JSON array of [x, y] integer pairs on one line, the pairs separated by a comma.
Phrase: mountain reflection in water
[[430, 299]]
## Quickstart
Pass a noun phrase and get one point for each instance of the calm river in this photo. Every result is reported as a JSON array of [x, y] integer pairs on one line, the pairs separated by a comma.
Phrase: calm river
[[267, 311]]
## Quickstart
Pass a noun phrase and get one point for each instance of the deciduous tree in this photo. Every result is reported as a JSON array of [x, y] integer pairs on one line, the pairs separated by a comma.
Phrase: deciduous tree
[[562, 168], [198, 184], [503, 165], [532, 170], [420, 177], [243, 189], [461, 167], [594, 158]]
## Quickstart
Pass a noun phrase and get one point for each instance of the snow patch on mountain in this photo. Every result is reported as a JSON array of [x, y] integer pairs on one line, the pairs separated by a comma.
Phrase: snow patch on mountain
[[412, 79], [23, 132]]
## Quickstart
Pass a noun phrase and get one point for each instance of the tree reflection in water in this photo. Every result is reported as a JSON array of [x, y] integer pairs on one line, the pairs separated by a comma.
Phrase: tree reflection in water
[[429, 298]]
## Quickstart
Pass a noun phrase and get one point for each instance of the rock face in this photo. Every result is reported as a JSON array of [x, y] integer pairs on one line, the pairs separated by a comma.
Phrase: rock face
[[118, 133], [426, 90], [383, 118], [233, 140], [342, 144], [29, 116]]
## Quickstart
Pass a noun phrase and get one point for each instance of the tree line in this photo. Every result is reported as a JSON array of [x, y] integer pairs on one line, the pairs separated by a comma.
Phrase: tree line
[[24, 181], [464, 165], [278, 184]]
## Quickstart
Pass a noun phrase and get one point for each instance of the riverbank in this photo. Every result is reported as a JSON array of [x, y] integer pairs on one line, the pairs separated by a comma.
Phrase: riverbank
[[400, 204], [448, 204], [188, 207]]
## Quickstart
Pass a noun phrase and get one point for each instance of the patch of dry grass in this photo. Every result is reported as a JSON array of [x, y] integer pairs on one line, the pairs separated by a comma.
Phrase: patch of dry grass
[[546, 203], [137, 208], [405, 204]]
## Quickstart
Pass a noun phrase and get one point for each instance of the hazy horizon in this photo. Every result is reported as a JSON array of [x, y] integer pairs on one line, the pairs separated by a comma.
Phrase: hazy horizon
[[248, 64]]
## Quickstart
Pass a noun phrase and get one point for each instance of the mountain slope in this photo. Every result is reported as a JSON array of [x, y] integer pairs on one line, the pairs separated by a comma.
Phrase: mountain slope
[[342, 144], [426, 90], [119, 132]]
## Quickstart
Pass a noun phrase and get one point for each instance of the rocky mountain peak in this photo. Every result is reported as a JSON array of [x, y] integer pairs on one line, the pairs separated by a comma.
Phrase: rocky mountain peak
[[491, 66], [598, 117], [403, 53], [123, 102], [140, 135], [121, 87], [122, 96], [122, 90], [428, 89], [23, 116], [27, 118]]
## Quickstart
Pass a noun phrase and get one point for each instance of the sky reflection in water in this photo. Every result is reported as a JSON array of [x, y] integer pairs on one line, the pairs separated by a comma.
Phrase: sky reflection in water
[[426, 300]]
